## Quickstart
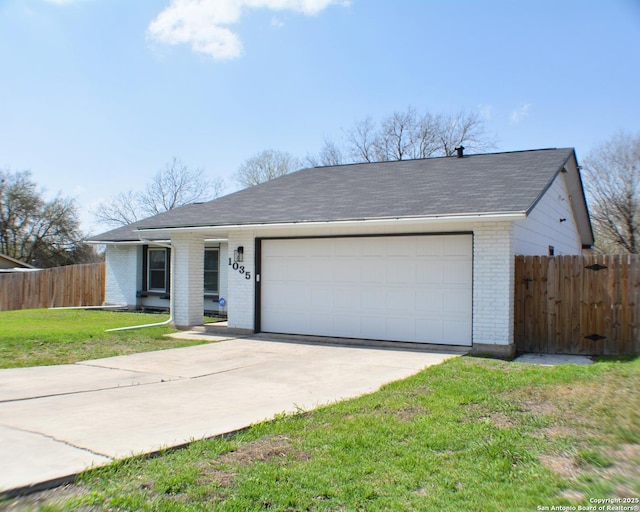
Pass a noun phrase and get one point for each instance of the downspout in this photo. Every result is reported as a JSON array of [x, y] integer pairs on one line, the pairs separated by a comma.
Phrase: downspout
[[144, 325], [159, 324], [106, 306]]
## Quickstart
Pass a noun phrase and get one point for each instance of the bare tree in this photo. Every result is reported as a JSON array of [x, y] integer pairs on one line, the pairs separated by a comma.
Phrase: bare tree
[[330, 154], [408, 134], [265, 166], [175, 185], [613, 188], [397, 137], [121, 210], [463, 128], [39, 232], [361, 141]]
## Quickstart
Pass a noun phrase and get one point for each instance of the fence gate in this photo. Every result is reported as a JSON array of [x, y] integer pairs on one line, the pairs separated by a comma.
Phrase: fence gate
[[586, 305]]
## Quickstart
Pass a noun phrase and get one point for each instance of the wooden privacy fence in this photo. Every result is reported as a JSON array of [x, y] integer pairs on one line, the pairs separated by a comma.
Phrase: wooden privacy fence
[[586, 305], [73, 285]]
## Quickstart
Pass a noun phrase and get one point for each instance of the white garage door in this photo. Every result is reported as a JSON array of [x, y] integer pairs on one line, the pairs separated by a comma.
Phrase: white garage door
[[398, 288]]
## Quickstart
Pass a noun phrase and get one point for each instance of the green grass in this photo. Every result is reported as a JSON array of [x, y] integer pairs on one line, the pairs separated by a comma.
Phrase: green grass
[[45, 337], [470, 434]]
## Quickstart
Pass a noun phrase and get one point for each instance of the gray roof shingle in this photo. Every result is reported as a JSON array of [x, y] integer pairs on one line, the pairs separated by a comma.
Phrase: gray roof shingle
[[475, 184]]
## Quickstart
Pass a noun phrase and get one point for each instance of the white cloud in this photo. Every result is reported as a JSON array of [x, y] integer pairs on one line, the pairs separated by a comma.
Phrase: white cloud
[[277, 22], [203, 23], [520, 113]]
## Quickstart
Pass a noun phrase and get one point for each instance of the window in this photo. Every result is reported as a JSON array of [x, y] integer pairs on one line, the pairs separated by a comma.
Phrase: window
[[211, 271], [157, 270]]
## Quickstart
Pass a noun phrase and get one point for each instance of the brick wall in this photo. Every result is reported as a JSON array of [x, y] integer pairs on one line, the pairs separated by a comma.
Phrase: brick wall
[[187, 279], [241, 291], [493, 283], [121, 274]]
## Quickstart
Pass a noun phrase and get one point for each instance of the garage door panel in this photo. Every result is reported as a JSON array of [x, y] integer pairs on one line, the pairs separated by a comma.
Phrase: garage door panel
[[402, 272], [371, 247], [404, 288], [371, 326], [374, 272], [346, 247], [297, 269], [430, 330], [346, 299], [399, 326], [429, 302], [457, 245], [455, 332], [399, 300], [432, 246], [321, 270], [321, 322], [401, 246], [456, 272], [322, 299], [273, 268], [346, 326], [318, 248], [347, 272], [456, 303], [429, 272]]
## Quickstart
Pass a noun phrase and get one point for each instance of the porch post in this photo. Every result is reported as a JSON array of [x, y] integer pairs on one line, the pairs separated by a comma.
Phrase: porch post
[[187, 279]]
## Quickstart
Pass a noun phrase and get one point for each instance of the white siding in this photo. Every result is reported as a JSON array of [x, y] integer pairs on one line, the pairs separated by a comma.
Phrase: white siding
[[187, 279], [493, 283], [542, 228], [241, 293], [121, 274]]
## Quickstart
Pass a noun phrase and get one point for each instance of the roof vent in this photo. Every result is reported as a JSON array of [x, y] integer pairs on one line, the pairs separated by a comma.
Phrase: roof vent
[[459, 151]]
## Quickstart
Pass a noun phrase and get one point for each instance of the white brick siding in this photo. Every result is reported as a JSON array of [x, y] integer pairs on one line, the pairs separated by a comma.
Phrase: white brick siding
[[121, 274], [187, 279], [241, 293], [493, 283]]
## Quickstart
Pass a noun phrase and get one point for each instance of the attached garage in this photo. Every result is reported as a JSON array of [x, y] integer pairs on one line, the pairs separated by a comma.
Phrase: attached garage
[[414, 288]]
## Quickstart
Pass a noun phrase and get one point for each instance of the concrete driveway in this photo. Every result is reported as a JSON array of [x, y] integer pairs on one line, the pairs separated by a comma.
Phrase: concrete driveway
[[56, 421]]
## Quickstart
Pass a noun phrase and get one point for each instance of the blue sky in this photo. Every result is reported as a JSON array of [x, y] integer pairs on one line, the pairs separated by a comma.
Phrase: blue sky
[[97, 95]]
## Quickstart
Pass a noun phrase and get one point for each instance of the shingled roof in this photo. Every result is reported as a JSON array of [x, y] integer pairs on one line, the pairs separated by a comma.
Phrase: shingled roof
[[495, 183]]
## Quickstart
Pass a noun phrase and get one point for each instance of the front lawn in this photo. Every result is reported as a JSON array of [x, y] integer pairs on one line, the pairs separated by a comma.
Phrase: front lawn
[[44, 337], [470, 434]]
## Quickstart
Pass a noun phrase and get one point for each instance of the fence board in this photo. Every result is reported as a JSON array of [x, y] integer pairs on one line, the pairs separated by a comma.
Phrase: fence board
[[563, 307], [73, 285]]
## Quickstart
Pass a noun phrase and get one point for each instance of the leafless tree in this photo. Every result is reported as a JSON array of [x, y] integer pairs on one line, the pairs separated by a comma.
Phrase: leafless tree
[[408, 134], [612, 173], [360, 141], [175, 185], [265, 166], [463, 128], [39, 232], [330, 154], [397, 136]]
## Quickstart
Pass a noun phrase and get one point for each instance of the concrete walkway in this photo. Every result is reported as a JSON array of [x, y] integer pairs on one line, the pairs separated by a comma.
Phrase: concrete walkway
[[56, 421]]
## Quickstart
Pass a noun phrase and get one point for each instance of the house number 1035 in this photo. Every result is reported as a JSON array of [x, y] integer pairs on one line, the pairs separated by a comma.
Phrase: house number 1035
[[236, 266]]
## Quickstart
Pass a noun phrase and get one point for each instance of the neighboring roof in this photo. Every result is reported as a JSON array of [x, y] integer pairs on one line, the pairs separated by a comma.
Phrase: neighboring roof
[[495, 183], [7, 262]]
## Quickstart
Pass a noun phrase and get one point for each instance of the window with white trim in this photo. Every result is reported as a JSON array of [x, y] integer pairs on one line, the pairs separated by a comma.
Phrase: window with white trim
[[211, 270]]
